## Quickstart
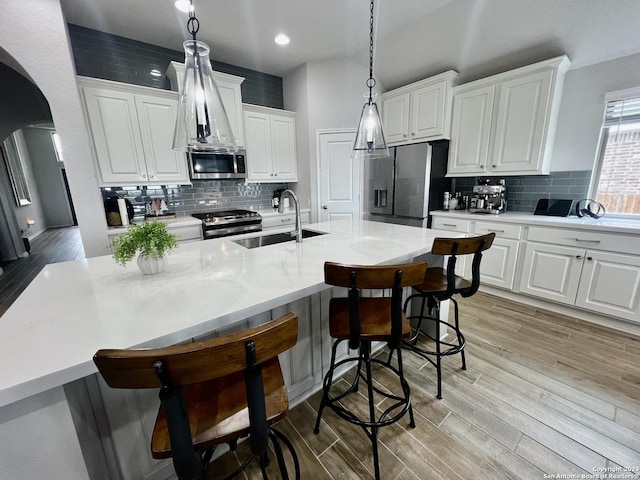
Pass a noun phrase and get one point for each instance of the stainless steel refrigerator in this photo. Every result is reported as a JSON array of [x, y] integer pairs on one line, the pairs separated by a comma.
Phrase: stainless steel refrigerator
[[405, 186]]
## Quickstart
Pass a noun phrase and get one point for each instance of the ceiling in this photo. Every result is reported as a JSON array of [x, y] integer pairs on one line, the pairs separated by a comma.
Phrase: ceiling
[[414, 38]]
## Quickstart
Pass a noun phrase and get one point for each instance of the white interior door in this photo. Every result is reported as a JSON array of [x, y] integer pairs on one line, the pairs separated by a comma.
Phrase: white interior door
[[340, 177]]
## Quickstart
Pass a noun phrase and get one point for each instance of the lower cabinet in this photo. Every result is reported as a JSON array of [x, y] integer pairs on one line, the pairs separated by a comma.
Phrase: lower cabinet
[[603, 282], [283, 219], [185, 233], [459, 226], [588, 269], [551, 272], [498, 265]]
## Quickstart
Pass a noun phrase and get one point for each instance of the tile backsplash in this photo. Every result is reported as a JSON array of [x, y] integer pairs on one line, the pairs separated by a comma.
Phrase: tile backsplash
[[523, 192], [202, 196]]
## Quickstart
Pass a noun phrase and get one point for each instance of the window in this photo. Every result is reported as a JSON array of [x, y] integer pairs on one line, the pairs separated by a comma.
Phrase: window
[[617, 183], [11, 155]]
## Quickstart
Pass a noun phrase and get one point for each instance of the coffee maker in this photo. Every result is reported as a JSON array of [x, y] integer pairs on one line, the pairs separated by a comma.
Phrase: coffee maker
[[489, 197]]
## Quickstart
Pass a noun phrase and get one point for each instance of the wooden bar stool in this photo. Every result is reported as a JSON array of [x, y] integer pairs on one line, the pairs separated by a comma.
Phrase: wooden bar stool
[[213, 392], [360, 321], [441, 284]]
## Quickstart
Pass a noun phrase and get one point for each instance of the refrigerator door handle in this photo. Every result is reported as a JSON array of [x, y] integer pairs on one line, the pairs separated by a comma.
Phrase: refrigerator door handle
[[380, 198]]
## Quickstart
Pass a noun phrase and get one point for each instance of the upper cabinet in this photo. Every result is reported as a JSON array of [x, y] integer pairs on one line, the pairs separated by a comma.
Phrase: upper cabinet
[[420, 111], [132, 132], [229, 87], [505, 124], [270, 144]]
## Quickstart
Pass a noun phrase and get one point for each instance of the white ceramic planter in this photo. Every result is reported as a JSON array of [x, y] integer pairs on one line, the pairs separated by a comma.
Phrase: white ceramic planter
[[151, 266]]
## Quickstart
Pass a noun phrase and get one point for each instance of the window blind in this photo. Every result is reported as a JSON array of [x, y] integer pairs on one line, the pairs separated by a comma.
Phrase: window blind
[[625, 110]]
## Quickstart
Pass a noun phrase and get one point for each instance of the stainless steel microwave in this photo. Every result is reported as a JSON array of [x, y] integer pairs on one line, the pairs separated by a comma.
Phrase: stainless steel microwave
[[206, 166]]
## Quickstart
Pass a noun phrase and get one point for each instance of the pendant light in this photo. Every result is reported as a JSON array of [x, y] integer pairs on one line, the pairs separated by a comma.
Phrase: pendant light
[[370, 140], [202, 124]]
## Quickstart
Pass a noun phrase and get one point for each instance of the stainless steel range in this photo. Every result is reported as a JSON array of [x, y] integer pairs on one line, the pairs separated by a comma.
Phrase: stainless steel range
[[222, 223]]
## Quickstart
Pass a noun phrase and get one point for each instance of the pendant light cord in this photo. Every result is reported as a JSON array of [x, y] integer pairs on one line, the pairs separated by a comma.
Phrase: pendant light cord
[[193, 24], [371, 82]]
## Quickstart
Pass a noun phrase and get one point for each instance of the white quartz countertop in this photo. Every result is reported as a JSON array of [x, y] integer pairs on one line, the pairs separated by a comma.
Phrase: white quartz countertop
[[604, 224], [72, 309]]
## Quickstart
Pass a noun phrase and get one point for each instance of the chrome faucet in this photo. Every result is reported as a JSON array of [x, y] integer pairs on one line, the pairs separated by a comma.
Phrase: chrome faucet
[[294, 197]]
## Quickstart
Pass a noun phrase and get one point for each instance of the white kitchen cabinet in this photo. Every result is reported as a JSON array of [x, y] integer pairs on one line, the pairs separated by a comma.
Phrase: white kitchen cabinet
[[270, 144], [132, 132], [551, 272], [184, 232], [505, 124], [270, 222], [463, 267], [230, 89], [420, 111], [470, 131], [598, 280], [610, 284], [498, 265]]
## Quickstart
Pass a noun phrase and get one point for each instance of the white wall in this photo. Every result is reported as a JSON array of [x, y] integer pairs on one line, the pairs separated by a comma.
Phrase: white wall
[[582, 107], [327, 95], [34, 33]]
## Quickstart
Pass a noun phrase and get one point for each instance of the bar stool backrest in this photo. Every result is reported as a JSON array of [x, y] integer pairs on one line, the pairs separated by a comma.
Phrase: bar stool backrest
[[172, 367], [454, 247], [366, 277]]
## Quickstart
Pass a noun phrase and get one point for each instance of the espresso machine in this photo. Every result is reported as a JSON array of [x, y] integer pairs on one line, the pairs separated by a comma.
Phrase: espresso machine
[[489, 196]]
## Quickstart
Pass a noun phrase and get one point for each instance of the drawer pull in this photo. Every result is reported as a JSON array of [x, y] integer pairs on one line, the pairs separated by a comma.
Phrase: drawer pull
[[449, 225], [587, 241], [285, 220], [496, 231]]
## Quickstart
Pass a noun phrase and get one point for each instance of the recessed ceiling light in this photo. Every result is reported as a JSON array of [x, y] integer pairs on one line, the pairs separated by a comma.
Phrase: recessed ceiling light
[[155, 73], [183, 5], [281, 39]]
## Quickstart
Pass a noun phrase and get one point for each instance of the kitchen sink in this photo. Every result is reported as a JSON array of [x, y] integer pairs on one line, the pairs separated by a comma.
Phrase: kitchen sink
[[264, 240]]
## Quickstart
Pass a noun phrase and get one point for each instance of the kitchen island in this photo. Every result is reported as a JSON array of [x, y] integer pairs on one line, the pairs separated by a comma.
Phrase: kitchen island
[[47, 377]]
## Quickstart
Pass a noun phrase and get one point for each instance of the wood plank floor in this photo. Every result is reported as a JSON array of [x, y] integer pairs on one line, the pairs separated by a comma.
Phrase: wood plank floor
[[51, 246], [544, 394]]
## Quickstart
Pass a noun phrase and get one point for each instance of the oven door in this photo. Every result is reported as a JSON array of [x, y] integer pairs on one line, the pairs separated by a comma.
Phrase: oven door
[[205, 166]]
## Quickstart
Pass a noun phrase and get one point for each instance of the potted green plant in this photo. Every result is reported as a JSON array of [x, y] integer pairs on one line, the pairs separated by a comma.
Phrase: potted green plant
[[151, 241]]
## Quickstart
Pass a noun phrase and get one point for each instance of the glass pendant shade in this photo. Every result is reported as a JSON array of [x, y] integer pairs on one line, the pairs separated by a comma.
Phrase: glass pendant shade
[[370, 140], [202, 124]]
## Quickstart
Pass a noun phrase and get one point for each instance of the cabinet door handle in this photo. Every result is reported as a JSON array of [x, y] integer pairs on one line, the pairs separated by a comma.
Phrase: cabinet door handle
[[493, 166], [144, 175], [587, 241], [589, 258], [481, 166], [578, 257], [151, 175]]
